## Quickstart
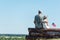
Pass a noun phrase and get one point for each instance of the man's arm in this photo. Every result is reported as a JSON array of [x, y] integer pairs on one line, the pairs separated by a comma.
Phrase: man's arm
[[34, 20]]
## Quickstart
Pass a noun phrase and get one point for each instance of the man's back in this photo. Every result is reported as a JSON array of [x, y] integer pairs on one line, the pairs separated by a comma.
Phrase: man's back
[[38, 20]]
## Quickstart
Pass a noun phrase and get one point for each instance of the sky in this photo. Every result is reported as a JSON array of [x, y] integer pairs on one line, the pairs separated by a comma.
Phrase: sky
[[16, 16]]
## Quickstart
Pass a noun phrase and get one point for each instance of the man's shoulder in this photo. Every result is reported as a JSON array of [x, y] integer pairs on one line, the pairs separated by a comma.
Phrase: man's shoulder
[[36, 15]]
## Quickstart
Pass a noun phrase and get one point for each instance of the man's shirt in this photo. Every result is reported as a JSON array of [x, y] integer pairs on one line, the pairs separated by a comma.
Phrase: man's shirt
[[38, 19]]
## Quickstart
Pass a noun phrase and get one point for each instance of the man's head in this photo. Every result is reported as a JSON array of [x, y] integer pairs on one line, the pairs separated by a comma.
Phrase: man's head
[[39, 12]]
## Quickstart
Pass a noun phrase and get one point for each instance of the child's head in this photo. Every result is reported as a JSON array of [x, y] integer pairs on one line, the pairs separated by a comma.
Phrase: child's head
[[44, 17]]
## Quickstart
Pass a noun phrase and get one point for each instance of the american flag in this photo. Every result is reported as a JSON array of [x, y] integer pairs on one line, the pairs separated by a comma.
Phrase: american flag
[[53, 24]]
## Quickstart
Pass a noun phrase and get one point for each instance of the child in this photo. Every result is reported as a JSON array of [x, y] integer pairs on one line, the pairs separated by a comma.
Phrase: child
[[45, 24]]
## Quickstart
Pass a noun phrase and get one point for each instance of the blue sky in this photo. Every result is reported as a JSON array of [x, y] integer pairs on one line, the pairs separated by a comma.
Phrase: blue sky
[[16, 16]]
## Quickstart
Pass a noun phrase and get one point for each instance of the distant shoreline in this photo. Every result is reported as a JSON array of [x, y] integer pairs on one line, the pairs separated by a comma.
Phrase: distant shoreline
[[13, 34]]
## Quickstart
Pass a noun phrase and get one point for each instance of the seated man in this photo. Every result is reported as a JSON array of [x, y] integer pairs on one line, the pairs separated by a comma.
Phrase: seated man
[[38, 20]]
